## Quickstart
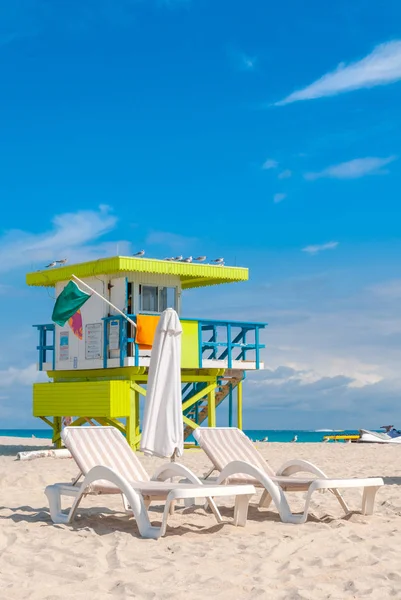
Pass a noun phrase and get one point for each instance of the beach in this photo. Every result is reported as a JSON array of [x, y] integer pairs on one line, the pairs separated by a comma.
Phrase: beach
[[101, 555]]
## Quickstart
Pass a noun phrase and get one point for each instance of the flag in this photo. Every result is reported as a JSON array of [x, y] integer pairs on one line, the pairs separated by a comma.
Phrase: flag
[[68, 303], [75, 322]]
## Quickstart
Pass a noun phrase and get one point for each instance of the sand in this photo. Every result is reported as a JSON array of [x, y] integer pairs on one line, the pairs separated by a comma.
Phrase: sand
[[101, 555]]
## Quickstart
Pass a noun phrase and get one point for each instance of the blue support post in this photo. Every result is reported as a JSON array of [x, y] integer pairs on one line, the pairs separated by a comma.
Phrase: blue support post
[[54, 348], [200, 344], [229, 348], [42, 343], [122, 332], [136, 354], [257, 346], [44, 346], [105, 343], [131, 340]]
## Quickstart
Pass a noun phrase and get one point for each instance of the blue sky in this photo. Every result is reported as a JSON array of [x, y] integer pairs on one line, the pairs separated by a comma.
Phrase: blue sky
[[267, 134]]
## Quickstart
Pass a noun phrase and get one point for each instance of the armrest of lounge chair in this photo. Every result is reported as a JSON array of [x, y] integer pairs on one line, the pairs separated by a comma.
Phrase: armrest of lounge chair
[[173, 469], [299, 466]]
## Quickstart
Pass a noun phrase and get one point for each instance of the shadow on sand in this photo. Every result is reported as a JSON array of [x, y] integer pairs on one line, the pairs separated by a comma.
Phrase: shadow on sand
[[12, 450], [102, 521], [391, 480]]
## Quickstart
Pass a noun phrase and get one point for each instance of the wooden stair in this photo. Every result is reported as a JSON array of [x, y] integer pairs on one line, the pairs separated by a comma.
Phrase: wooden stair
[[231, 377]]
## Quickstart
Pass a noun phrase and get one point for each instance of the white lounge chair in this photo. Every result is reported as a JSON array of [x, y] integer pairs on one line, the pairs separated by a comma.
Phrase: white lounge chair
[[237, 460], [109, 466]]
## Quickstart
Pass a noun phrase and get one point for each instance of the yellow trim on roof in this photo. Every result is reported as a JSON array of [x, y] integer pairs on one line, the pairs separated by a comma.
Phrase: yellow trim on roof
[[191, 274]]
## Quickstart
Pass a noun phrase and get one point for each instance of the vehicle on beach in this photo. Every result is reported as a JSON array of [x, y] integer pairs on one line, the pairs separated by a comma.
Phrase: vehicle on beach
[[389, 436]]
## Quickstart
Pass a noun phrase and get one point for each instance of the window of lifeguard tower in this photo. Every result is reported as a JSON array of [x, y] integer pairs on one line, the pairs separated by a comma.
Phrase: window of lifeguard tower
[[155, 299]]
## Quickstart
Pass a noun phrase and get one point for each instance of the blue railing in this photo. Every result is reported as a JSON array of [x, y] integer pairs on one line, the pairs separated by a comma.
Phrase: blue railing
[[44, 346], [123, 339], [228, 336], [217, 340]]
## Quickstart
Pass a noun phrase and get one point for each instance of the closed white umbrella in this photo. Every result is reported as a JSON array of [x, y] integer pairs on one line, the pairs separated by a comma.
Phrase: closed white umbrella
[[162, 431]]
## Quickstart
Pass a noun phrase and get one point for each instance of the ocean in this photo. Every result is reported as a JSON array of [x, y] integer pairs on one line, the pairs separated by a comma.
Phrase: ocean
[[287, 435], [273, 435]]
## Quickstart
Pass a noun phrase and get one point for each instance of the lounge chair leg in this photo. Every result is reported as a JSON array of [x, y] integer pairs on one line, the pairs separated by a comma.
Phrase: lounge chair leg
[[54, 497], [54, 494], [210, 503], [368, 500], [341, 500], [241, 510], [265, 500]]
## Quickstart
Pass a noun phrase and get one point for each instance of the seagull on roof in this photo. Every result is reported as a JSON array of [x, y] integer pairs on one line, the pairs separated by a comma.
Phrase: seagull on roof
[[50, 265], [140, 253], [178, 257], [200, 259], [218, 261], [187, 260], [62, 261], [170, 258]]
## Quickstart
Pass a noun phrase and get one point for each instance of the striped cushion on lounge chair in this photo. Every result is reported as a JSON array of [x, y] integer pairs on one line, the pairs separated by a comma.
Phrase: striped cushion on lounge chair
[[105, 446], [226, 444]]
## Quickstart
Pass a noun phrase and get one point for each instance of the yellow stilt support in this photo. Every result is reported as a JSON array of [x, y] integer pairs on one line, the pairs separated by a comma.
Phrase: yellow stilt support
[[205, 391], [239, 405], [115, 401], [133, 435], [211, 407], [57, 432], [191, 424]]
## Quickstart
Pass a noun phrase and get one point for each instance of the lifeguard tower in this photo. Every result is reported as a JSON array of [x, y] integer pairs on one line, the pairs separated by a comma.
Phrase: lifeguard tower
[[98, 362]]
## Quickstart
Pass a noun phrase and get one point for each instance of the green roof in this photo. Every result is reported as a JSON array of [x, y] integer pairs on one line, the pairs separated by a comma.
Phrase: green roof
[[192, 275]]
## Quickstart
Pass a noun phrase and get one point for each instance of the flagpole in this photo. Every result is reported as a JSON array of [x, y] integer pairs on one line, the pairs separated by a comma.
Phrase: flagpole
[[104, 299]]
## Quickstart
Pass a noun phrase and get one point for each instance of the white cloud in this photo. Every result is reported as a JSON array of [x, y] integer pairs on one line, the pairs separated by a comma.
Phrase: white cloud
[[390, 290], [71, 236], [380, 67], [323, 395], [334, 349], [279, 198], [286, 174], [315, 249], [353, 169], [300, 378], [26, 376], [241, 60], [270, 163], [247, 63]]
